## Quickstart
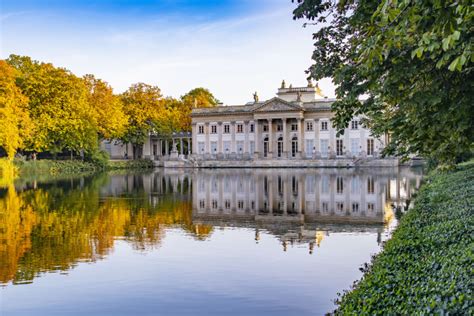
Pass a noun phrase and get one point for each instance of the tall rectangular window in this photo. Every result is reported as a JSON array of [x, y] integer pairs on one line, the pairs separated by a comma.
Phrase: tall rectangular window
[[240, 128], [213, 129], [294, 127], [252, 128], [265, 128], [213, 148], [324, 125], [201, 147], [309, 148], [355, 207], [370, 185], [226, 147], [324, 147], [279, 127], [201, 129], [339, 185], [339, 147], [309, 126], [226, 128], [354, 124], [370, 147], [240, 147], [355, 146]]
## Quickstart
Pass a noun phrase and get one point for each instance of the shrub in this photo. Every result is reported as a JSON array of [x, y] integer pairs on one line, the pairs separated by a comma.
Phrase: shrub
[[426, 267]]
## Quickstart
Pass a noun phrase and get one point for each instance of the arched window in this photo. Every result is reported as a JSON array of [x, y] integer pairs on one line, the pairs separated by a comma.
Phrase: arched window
[[294, 146]]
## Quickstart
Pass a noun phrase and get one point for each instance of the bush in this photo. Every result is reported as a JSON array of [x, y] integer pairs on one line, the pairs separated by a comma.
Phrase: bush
[[426, 267], [99, 158], [130, 164], [54, 167]]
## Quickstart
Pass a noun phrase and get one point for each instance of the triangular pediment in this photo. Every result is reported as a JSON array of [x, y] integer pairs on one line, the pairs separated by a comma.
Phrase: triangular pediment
[[277, 105]]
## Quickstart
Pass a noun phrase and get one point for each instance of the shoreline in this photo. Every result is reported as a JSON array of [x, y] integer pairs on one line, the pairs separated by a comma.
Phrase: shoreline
[[424, 267]]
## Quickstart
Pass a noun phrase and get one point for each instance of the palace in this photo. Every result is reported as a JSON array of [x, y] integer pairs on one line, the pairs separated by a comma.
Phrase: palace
[[293, 126], [293, 129]]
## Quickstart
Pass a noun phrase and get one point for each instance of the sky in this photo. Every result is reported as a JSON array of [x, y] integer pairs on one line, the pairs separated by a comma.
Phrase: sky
[[231, 47]]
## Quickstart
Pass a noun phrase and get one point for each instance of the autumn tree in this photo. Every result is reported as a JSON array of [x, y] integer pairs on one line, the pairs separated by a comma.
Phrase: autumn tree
[[107, 108], [16, 126], [196, 98], [143, 105], [407, 66], [58, 106]]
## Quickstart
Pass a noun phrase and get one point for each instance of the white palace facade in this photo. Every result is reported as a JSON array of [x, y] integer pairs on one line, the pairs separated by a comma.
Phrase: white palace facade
[[293, 126]]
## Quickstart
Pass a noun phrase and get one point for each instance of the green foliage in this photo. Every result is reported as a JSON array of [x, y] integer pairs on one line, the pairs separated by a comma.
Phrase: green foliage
[[426, 267], [130, 164], [98, 158], [54, 167], [411, 61]]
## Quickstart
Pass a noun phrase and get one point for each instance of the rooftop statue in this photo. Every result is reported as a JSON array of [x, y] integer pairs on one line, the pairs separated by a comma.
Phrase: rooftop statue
[[283, 84], [310, 83], [255, 97]]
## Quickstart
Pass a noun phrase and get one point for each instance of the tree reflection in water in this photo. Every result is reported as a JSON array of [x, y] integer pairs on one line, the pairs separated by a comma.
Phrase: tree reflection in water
[[52, 225]]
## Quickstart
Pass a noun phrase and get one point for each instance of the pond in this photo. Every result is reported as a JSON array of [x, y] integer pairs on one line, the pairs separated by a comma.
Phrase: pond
[[194, 242]]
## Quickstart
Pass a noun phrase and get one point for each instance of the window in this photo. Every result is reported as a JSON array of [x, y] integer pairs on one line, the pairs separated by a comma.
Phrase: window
[[294, 185], [226, 129], [240, 128], [370, 207], [227, 204], [252, 204], [265, 128], [339, 147], [324, 147], [309, 126], [226, 147], [213, 129], [355, 207], [279, 127], [294, 127], [325, 207], [324, 125], [240, 204], [201, 147], [340, 206], [280, 185], [309, 148], [370, 185], [214, 204], [201, 129], [340, 185], [214, 148], [240, 147], [370, 147], [355, 125], [202, 204], [252, 128], [355, 146]]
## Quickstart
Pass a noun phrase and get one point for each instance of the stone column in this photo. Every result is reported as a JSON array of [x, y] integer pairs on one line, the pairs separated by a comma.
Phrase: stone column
[[207, 149], [246, 142], [257, 140], [317, 141], [285, 139], [300, 138], [270, 138], [193, 135], [220, 148], [232, 134], [332, 141], [190, 152], [181, 146]]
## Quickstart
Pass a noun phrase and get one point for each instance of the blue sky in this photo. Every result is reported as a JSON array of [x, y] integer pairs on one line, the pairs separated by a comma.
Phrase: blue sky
[[231, 47]]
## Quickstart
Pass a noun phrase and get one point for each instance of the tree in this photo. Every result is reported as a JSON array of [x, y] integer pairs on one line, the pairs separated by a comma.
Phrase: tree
[[15, 122], [196, 98], [143, 105], [404, 65], [108, 113], [57, 105]]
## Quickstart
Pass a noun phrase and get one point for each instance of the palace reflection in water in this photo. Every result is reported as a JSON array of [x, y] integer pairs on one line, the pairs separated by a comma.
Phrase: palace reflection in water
[[193, 242]]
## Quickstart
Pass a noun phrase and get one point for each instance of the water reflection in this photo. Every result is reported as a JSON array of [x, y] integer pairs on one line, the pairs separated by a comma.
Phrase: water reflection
[[52, 226]]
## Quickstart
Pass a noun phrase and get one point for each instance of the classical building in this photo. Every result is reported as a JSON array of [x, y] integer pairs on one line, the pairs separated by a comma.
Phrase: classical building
[[294, 125]]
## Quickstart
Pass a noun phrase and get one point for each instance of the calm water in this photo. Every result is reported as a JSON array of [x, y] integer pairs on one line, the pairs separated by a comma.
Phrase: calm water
[[208, 242]]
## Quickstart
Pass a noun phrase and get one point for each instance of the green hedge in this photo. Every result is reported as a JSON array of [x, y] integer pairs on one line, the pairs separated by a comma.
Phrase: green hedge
[[130, 164], [427, 265], [54, 167]]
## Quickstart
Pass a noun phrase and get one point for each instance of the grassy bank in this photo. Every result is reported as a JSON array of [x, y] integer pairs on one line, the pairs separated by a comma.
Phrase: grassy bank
[[426, 267], [54, 167]]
